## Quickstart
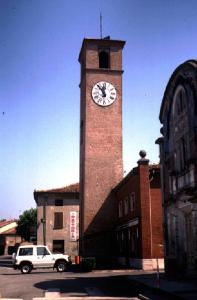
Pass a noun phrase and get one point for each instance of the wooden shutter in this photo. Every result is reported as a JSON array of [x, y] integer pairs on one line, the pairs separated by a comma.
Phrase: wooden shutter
[[58, 220]]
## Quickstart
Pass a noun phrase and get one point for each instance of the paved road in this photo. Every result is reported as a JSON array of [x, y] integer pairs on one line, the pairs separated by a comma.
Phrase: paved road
[[13, 284]]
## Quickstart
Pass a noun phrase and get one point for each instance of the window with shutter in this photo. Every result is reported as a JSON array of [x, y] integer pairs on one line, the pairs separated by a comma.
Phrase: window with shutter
[[58, 220]]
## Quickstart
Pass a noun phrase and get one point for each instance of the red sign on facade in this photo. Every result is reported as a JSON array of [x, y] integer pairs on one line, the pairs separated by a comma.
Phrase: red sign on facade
[[73, 226]]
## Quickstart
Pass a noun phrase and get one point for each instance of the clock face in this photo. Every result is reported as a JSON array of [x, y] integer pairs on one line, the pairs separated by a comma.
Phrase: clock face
[[103, 93]]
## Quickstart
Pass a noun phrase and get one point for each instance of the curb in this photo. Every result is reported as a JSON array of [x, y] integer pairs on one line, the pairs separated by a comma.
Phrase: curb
[[157, 290]]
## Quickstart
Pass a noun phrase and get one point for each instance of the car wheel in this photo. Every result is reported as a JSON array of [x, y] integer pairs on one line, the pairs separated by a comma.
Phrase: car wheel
[[61, 266], [26, 268]]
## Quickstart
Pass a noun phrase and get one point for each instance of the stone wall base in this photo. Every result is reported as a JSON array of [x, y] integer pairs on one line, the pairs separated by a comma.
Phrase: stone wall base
[[142, 263]]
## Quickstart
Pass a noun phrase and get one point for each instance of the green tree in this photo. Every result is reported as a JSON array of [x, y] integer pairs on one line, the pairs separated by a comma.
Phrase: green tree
[[27, 224]]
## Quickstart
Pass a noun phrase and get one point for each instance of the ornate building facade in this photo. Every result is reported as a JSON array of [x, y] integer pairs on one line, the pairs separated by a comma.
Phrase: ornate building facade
[[178, 154]]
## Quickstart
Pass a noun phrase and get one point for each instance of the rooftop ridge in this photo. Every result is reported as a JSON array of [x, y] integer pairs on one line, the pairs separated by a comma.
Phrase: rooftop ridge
[[72, 188]]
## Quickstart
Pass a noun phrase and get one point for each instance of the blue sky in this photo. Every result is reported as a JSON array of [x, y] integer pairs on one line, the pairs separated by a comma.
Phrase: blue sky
[[39, 77]]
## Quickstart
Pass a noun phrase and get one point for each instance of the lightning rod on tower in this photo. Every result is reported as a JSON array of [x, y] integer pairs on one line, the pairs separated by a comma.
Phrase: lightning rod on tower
[[101, 26]]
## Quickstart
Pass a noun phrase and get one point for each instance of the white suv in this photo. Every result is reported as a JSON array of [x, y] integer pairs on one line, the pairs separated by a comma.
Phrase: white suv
[[32, 257]]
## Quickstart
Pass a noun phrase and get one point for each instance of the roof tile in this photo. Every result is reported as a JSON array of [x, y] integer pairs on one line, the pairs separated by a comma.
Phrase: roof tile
[[72, 188]]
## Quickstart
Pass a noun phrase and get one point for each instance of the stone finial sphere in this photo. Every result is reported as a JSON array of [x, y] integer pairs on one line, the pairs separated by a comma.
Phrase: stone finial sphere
[[142, 153]]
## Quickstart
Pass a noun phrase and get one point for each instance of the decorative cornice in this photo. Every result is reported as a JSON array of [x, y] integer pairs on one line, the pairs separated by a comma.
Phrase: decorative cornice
[[102, 70]]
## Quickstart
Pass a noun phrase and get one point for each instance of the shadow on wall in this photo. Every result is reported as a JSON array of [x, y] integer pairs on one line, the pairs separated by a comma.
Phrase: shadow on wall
[[99, 236]]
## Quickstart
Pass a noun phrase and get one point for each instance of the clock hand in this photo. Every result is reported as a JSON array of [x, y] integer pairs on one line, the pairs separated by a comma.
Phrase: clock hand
[[100, 88], [103, 89]]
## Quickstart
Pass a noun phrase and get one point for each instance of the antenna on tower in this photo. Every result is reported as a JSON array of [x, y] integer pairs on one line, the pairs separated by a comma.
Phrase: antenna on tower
[[101, 29]]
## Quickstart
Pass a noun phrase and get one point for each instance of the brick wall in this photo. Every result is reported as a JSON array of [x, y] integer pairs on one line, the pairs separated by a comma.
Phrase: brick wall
[[157, 222], [101, 151], [146, 218], [145, 210]]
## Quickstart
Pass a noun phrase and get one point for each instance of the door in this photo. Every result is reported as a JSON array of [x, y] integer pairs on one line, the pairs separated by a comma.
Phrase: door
[[44, 259]]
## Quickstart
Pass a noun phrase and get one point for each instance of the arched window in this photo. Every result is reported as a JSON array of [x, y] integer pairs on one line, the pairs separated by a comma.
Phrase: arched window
[[179, 101], [120, 209], [183, 153], [179, 126], [104, 59]]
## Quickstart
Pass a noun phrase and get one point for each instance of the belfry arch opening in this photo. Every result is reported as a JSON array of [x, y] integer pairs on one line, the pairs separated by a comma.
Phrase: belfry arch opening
[[104, 59]]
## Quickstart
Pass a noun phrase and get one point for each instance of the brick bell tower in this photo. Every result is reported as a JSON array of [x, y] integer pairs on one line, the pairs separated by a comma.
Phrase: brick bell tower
[[101, 165]]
